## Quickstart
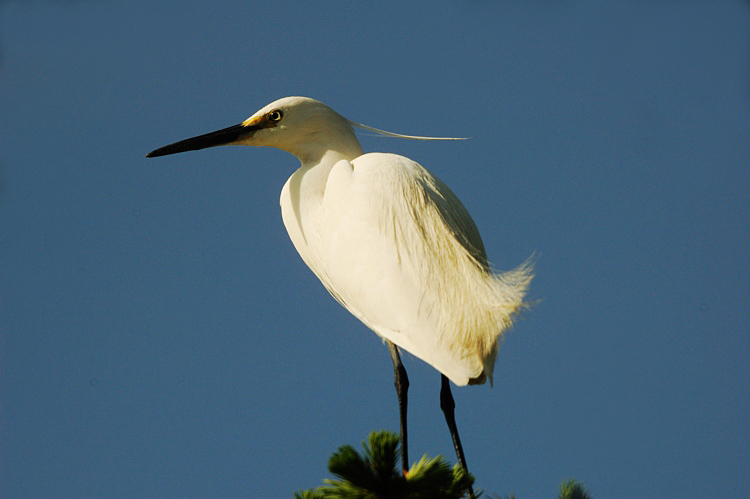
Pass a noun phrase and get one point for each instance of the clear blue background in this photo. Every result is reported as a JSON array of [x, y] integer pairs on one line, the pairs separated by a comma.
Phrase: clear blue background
[[162, 339]]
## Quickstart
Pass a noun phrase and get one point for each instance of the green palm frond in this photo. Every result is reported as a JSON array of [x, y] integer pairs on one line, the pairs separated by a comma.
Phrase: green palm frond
[[573, 490], [434, 478], [375, 475], [309, 494]]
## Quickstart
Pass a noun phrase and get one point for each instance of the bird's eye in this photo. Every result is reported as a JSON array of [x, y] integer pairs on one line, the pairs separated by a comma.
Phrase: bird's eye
[[275, 115]]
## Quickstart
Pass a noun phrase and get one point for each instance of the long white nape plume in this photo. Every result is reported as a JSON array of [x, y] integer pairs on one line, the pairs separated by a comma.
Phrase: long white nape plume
[[400, 135]]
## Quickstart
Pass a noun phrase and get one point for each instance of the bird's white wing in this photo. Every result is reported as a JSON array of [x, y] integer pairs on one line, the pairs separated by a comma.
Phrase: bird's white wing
[[397, 248]]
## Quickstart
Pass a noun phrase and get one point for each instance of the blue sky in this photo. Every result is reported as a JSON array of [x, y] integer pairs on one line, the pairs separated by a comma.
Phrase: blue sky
[[160, 338]]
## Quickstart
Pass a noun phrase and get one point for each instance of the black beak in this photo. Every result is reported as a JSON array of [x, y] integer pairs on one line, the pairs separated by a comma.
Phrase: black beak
[[218, 138]]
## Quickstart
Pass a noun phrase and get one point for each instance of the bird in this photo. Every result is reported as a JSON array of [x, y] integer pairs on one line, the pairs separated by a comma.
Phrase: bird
[[390, 242]]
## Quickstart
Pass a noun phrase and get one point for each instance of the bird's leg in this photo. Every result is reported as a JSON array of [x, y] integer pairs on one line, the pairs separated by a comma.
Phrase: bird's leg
[[402, 386], [448, 405]]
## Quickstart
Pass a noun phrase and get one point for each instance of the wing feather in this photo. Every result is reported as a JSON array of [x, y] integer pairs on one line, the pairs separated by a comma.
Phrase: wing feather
[[398, 249]]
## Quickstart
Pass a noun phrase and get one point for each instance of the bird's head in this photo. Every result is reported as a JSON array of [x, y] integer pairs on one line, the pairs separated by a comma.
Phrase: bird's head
[[305, 127]]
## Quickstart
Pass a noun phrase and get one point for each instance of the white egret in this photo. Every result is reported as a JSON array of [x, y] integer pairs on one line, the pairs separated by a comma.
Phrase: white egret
[[390, 242]]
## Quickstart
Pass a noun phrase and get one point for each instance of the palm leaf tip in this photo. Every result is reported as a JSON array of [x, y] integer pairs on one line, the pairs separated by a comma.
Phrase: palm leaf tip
[[382, 451], [571, 489], [435, 478]]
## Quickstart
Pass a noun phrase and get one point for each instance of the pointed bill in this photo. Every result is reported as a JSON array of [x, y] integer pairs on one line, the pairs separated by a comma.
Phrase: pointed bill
[[222, 137]]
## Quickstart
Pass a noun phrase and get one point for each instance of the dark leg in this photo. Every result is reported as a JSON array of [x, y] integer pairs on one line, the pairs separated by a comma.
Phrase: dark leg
[[448, 405], [402, 386]]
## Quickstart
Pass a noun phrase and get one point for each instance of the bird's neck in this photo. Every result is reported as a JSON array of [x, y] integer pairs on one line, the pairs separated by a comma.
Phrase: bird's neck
[[324, 154], [303, 195], [313, 175], [321, 151]]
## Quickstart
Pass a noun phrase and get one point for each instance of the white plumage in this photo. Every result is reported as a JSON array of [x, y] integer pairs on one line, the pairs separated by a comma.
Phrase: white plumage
[[398, 250], [396, 247], [389, 240]]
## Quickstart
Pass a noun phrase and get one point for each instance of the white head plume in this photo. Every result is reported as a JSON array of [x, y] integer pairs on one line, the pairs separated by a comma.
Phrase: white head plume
[[401, 135]]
